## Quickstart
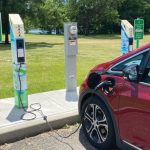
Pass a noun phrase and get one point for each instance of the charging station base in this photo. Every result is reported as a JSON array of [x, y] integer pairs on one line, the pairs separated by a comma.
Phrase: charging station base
[[72, 96]]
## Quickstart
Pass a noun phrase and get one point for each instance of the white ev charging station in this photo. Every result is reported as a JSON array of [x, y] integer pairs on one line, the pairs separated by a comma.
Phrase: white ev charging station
[[0, 28], [18, 60], [126, 37], [71, 51]]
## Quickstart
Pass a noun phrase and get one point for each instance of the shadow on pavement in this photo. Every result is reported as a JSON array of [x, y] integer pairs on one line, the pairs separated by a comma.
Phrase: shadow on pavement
[[101, 37], [35, 45], [15, 114]]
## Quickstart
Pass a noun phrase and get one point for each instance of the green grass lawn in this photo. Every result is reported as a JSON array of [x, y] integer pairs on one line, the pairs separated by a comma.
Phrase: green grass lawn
[[45, 60]]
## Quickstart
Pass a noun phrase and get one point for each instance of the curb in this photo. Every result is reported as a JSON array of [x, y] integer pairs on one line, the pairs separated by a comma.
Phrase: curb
[[21, 130]]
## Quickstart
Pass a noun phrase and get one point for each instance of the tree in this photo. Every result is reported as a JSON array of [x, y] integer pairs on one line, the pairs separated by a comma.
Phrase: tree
[[147, 16], [33, 13], [5, 21], [93, 16], [8, 7], [72, 7], [22, 7], [52, 14], [132, 9], [97, 16]]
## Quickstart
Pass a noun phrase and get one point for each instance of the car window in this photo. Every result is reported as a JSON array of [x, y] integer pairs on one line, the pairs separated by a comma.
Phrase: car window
[[135, 60], [148, 64], [146, 77]]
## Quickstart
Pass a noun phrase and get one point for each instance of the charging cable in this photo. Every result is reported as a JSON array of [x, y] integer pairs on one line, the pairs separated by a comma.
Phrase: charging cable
[[20, 99], [101, 84], [36, 107]]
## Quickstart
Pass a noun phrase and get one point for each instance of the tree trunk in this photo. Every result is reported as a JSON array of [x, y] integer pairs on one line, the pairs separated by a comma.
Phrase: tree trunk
[[7, 31], [5, 20], [6, 38]]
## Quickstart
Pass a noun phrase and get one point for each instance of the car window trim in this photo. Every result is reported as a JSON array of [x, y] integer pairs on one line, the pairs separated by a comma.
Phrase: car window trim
[[143, 67], [145, 62], [144, 83], [110, 71]]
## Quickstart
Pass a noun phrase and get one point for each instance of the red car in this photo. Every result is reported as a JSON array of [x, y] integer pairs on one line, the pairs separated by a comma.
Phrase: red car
[[114, 103]]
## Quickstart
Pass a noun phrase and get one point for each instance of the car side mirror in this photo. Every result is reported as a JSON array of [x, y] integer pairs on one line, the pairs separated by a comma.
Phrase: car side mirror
[[131, 73]]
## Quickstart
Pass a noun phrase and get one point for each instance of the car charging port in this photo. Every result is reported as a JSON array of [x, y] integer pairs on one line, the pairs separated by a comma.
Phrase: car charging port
[[94, 82], [108, 88]]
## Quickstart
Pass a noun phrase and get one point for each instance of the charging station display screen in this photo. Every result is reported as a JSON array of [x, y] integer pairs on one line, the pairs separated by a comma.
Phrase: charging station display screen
[[20, 50]]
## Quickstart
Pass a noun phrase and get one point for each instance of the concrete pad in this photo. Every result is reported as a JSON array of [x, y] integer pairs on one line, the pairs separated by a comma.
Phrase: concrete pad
[[58, 109]]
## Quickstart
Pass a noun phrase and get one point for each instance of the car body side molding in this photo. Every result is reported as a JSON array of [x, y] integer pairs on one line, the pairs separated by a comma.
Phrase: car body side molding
[[130, 146]]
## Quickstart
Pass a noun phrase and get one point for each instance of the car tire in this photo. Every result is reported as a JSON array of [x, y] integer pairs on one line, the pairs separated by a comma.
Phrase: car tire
[[97, 124]]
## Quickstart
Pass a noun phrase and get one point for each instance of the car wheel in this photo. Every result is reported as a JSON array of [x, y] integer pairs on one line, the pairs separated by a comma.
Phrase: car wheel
[[97, 124]]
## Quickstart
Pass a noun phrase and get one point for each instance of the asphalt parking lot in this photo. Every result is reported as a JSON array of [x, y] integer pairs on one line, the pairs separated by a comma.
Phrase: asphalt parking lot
[[48, 141]]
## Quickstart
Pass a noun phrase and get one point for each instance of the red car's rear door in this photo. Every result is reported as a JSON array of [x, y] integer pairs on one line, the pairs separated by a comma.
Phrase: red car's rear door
[[134, 111], [134, 114]]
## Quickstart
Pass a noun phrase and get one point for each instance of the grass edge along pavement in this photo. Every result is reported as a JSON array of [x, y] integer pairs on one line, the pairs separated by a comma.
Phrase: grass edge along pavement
[[46, 64]]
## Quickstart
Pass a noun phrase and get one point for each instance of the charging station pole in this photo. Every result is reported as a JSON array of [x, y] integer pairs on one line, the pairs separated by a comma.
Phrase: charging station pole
[[0, 28], [71, 50], [126, 37], [18, 60]]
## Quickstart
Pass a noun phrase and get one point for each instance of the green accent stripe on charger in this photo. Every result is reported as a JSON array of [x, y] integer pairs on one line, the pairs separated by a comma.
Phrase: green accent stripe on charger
[[21, 71], [20, 92], [24, 98]]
